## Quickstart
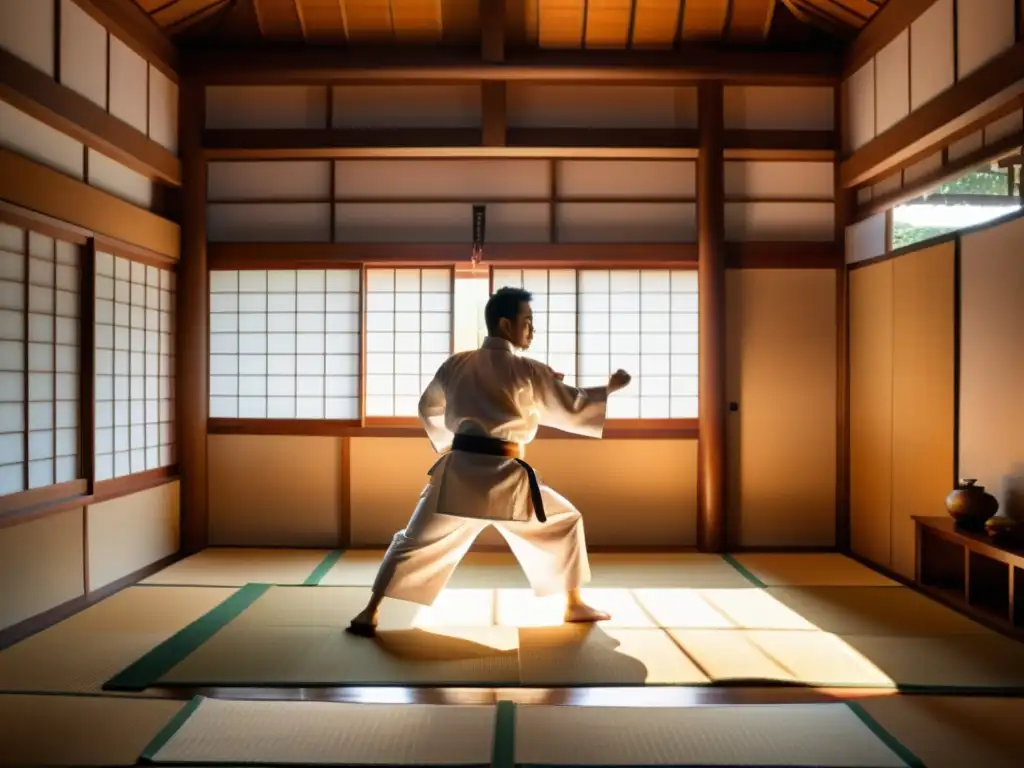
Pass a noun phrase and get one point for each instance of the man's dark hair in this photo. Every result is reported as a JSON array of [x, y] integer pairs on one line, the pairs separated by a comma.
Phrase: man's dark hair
[[504, 302]]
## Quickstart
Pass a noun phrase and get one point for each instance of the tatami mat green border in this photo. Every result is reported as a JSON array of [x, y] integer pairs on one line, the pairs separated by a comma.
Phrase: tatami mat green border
[[904, 753], [167, 732], [322, 570], [743, 571], [503, 754], [160, 660]]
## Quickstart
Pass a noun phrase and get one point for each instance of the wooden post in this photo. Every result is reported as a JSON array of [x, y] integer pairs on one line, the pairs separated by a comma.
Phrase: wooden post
[[192, 319], [845, 202], [711, 485]]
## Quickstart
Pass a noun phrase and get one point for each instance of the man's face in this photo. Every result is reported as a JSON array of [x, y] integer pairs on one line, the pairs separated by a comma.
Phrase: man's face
[[520, 330]]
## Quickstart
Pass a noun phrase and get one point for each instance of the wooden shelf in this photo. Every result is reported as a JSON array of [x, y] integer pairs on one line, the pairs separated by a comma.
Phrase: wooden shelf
[[970, 572]]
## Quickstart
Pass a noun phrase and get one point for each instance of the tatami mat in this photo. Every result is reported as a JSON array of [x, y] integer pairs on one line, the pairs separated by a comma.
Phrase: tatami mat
[[754, 735], [79, 730], [824, 569], [954, 732], [236, 567], [79, 654], [319, 733]]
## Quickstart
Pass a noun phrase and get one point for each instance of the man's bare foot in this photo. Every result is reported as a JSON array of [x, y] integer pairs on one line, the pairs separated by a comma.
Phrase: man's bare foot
[[364, 625], [583, 613]]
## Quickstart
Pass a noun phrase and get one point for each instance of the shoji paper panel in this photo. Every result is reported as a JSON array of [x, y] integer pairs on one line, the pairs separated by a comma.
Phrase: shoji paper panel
[[600, 106], [623, 179], [83, 53], [871, 404], [644, 321], [750, 107], [859, 108], [892, 82], [269, 222], [406, 106], [439, 223], [1009, 125], [866, 239], [932, 53], [284, 344], [762, 180], [922, 393], [27, 31], [408, 336], [985, 28], [163, 110], [554, 314], [992, 361], [13, 246], [269, 180], [134, 367], [129, 86], [780, 368], [627, 222], [775, 222], [441, 180], [966, 145], [922, 169], [887, 186], [283, 106], [27, 136], [120, 181]]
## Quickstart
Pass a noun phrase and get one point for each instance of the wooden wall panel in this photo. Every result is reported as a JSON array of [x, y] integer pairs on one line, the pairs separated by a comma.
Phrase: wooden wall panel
[[276, 180], [27, 31], [119, 181], [871, 402], [626, 222], [83, 53], [749, 107], [621, 179], [922, 169], [985, 28], [406, 106], [129, 85], [859, 108], [600, 106], [27, 136], [439, 222], [1005, 127], [269, 222], [923, 393], [661, 494], [276, 491], [780, 222], [782, 440], [932, 53], [887, 186], [992, 362], [129, 533], [41, 566], [284, 106], [770, 180], [464, 180], [966, 146], [892, 83], [163, 110]]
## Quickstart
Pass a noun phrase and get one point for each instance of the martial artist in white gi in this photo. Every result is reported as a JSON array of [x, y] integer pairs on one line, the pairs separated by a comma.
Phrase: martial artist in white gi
[[480, 410]]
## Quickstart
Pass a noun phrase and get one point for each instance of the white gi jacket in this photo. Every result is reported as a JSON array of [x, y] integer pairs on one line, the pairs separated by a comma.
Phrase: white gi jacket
[[493, 392]]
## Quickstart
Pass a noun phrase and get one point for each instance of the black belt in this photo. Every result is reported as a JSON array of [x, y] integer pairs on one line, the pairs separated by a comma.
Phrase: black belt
[[492, 446]]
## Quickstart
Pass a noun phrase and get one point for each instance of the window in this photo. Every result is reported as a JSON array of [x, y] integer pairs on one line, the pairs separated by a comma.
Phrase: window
[[134, 367], [408, 336], [39, 318], [974, 198], [592, 322], [284, 344]]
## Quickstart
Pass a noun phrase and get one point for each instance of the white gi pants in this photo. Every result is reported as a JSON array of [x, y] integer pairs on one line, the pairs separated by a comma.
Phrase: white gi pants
[[423, 557]]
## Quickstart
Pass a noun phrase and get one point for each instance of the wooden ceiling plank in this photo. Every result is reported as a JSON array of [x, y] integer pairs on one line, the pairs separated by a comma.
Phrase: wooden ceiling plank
[[170, 15], [655, 23], [416, 20], [198, 17], [608, 23], [751, 20], [460, 21], [561, 23], [368, 21], [276, 65], [322, 20], [837, 11], [279, 19], [704, 20], [492, 30]]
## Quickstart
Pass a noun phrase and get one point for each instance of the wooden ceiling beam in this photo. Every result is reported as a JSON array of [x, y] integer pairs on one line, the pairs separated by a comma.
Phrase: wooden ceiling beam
[[971, 101], [514, 142], [282, 66], [134, 27], [37, 94]]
